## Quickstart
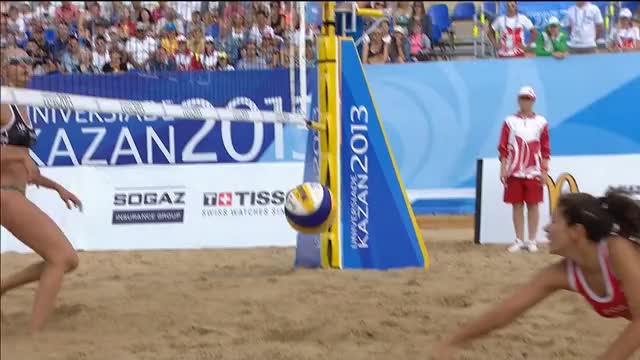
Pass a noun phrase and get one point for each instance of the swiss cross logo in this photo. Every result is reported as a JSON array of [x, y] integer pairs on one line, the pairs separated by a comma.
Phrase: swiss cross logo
[[225, 199], [218, 199]]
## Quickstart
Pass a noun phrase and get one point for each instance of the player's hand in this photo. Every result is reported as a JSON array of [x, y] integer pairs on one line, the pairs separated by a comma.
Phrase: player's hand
[[503, 177], [69, 199], [543, 178]]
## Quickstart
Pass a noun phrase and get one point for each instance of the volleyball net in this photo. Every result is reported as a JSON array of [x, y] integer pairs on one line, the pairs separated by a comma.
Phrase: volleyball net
[[90, 125]]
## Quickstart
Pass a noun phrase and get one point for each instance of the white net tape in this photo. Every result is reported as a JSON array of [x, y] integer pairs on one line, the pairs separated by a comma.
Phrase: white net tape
[[62, 101]]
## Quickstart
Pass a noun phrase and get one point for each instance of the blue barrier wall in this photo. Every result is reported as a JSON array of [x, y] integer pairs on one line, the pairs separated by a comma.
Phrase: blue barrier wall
[[442, 116]]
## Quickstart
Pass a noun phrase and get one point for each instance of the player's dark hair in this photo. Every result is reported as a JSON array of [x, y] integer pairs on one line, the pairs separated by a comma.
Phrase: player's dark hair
[[615, 213], [625, 213]]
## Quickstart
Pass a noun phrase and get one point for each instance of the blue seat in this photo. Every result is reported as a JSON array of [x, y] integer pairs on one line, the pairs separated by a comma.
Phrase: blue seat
[[464, 11], [50, 35], [440, 17], [436, 35], [213, 30]]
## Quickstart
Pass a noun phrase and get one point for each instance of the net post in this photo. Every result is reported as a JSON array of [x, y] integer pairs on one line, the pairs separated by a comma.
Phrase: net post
[[302, 57], [328, 102]]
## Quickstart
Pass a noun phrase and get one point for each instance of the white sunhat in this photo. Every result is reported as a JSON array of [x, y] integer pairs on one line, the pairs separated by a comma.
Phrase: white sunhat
[[527, 91], [626, 13], [553, 21]]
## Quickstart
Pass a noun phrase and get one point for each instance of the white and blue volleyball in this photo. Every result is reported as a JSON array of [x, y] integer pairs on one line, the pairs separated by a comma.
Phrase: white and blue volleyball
[[309, 208]]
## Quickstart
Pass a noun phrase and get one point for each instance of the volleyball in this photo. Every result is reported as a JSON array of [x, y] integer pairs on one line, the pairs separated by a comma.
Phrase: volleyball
[[309, 208]]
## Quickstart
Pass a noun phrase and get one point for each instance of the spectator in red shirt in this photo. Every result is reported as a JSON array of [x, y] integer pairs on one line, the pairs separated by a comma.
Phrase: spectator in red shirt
[[186, 60], [68, 12], [524, 156], [161, 11], [232, 9]]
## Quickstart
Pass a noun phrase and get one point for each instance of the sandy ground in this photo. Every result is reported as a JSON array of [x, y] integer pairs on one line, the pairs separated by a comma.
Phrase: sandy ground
[[250, 304]]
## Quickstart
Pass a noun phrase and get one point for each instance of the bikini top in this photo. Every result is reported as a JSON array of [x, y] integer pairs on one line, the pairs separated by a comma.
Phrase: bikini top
[[17, 132]]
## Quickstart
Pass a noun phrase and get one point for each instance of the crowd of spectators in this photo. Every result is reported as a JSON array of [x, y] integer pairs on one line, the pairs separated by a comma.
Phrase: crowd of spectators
[[107, 37], [406, 35]]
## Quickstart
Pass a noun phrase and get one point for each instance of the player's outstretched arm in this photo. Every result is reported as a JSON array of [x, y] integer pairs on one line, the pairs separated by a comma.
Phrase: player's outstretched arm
[[625, 260], [545, 283]]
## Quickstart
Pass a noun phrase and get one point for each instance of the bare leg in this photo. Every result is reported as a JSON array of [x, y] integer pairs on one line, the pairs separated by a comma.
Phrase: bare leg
[[27, 275], [533, 220], [518, 220], [36, 230]]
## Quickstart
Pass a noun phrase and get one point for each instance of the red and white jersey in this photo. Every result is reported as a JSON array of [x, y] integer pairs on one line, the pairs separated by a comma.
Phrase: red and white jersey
[[511, 30], [614, 303], [187, 61], [625, 38], [524, 142]]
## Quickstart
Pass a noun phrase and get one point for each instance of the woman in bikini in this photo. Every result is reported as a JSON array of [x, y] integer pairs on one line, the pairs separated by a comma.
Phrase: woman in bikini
[[20, 216], [599, 239]]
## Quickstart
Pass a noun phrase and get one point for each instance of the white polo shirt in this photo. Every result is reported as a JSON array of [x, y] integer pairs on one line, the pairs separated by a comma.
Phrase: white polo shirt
[[583, 21], [141, 50]]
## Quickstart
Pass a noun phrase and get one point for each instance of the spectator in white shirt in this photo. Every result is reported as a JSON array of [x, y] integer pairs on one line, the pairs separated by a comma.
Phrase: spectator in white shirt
[[100, 53], [209, 58], [252, 61], [223, 62], [45, 10], [625, 36], [140, 47], [15, 22], [185, 9], [26, 13], [511, 29], [386, 35], [101, 29], [585, 24], [261, 27]]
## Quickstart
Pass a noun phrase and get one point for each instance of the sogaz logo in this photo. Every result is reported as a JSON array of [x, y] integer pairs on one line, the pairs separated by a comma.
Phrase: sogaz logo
[[148, 205]]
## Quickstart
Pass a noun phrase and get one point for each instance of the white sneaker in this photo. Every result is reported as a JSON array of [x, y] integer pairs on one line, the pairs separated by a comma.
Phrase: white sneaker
[[532, 246], [517, 246]]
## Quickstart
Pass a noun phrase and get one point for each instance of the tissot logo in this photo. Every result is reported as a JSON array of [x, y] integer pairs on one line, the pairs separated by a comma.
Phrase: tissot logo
[[243, 203], [146, 205], [243, 198]]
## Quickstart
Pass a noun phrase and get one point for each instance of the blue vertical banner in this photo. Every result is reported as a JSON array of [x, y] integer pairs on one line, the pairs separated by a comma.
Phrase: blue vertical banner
[[379, 229]]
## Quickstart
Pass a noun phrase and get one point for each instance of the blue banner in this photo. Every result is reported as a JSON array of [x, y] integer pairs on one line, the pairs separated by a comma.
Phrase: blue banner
[[441, 117], [378, 227], [72, 138]]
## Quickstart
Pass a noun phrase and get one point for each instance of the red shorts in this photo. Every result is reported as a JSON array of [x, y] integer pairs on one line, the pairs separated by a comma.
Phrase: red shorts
[[518, 190]]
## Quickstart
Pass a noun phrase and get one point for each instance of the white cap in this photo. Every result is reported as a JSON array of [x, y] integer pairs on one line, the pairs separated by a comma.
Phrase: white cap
[[626, 13], [269, 32], [180, 38], [208, 39], [553, 21], [400, 29], [527, 91]]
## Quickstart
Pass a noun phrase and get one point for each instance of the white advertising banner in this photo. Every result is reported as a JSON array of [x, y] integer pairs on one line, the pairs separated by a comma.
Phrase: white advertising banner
[[170, 207], [591, 174]]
